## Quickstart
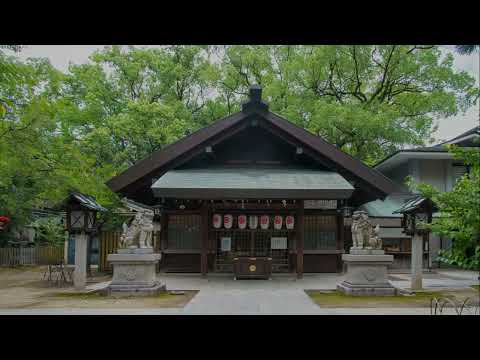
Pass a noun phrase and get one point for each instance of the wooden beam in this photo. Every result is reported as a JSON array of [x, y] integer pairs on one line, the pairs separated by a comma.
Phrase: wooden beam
[[163, 231], [131, 188], [204, 239], [299, 238]]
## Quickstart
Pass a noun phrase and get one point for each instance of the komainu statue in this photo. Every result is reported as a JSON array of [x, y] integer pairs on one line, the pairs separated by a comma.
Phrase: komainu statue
[[364, 234], [139, 233]]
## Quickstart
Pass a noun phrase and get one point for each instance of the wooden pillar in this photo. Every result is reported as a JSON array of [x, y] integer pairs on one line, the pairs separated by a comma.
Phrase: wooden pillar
[[89, 252], [299, 238], [341, 232], [65, 249], [204, 240], [163, 232]]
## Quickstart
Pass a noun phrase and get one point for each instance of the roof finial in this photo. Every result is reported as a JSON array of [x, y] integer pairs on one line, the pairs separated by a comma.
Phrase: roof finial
[[255, 93], [255, 102]]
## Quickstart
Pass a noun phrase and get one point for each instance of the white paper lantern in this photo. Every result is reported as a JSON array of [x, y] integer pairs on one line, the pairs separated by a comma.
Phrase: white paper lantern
[[289, 222], [253, 221], [242, 221], [264, 221], [217, 221], [227, 221], [278, 222]]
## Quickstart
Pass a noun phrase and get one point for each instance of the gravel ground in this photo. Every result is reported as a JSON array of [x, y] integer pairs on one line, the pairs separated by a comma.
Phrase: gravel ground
[[23, 292]]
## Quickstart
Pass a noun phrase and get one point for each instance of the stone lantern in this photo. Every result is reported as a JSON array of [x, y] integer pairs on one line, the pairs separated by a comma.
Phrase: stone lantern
[[82, 221], [416, 213]]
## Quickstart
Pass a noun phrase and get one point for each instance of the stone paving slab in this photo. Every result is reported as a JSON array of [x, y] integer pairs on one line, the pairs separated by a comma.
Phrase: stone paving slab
[[319, 311], [284, 294]]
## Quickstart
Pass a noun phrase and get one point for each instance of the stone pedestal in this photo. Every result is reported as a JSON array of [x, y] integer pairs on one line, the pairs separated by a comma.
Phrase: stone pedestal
[[367, 273], [80, 273], [134, 273], [417, 263]]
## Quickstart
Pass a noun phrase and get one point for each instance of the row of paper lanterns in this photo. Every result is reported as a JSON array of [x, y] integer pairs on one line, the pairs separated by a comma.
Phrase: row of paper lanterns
[[253, 221]]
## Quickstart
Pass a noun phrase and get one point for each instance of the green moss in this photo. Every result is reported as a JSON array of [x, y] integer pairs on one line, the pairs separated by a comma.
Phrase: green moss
[[73, 295], [96, 295], [336, 298], [476, 287]]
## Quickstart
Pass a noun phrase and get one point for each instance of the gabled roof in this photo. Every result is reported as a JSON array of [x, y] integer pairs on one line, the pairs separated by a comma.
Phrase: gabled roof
[[386, 207], [251, 183], [170, 152], [435, 151], [87, 201], [162, 159], [415, 203], [470, 134]]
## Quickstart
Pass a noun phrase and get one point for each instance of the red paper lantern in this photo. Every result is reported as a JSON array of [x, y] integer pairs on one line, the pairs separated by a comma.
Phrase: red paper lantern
[[217, 221], [264, 221], [4, 220], [242, 221], [278, 221], [289, 222], [227, 221]]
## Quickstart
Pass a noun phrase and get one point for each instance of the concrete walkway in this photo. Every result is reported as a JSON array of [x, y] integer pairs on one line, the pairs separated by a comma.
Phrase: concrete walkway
[[284, 294]]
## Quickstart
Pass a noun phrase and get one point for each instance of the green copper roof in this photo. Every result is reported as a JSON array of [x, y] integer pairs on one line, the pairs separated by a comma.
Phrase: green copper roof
[[386, 207], [244, 183]]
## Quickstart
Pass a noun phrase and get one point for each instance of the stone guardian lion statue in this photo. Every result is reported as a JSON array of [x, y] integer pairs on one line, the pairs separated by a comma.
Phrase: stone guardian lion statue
[[139, 233], [364, 234]]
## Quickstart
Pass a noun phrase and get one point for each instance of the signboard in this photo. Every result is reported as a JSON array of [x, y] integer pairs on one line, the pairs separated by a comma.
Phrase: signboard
[[226, 243], [320, 204], [278, 243], [252, 221]]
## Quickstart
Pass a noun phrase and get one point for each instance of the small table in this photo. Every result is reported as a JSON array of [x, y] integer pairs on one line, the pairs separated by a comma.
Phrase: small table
[[59, 274]]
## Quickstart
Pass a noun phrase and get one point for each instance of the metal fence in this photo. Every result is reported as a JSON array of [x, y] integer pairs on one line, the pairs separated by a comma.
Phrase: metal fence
[[31, 256]]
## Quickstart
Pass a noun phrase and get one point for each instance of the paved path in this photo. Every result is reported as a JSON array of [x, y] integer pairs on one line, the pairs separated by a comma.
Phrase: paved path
[[282, 295]]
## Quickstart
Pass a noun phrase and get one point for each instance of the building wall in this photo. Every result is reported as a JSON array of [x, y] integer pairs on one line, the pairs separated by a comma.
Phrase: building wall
[[398, 175], [434, 172]]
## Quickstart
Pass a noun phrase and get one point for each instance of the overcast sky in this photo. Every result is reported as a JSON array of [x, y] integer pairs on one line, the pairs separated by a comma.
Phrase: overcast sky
[[61, 55]]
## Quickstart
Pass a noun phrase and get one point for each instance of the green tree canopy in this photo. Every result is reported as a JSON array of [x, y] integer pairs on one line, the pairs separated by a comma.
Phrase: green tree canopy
[[367, 100], [78, 129]]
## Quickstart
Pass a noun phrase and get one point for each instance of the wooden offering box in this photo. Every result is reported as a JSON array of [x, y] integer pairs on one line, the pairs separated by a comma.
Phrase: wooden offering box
[[252, 267]]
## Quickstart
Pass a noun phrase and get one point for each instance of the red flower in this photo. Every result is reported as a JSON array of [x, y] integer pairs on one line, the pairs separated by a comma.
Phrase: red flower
[[4, 219]]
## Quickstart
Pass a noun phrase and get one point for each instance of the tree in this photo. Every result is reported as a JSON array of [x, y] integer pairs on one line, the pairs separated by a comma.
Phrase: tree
[[38, 165], [467, 49], [367, 100], [130, 102], [78, 129], [459, 212], [49, 231]]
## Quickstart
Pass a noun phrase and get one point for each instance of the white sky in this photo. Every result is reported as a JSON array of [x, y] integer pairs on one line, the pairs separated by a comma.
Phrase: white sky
[[61, 55]]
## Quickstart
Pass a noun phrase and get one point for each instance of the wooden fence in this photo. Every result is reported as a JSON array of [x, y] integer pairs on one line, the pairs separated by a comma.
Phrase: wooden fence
[[108, 245], [109, 241], [31, 256]]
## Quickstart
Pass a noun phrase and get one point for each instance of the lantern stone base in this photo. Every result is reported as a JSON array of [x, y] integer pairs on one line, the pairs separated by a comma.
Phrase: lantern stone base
[[134, 273], [367, 273]]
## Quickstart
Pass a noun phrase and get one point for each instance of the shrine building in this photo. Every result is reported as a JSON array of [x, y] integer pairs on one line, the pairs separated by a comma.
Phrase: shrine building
[[252, 189]]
